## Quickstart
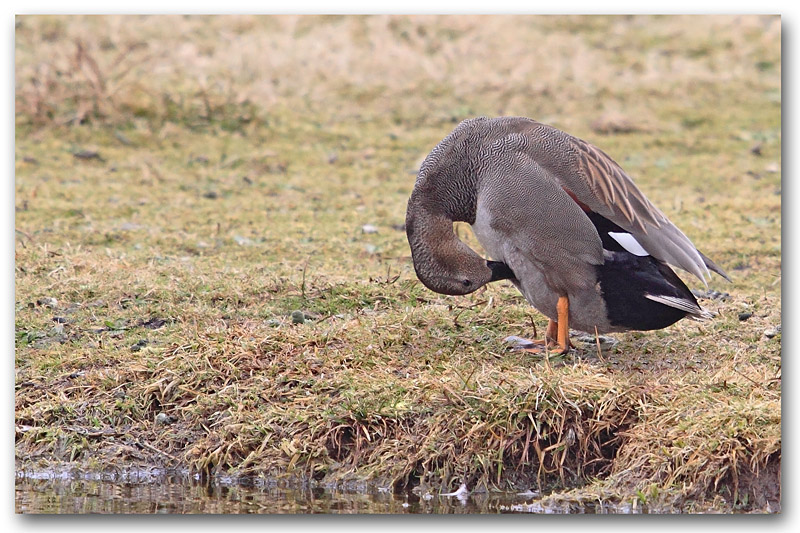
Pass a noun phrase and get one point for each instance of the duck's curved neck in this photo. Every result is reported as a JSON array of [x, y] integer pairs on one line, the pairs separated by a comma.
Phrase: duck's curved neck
[[446, 191], [429, 233], [452, 195]]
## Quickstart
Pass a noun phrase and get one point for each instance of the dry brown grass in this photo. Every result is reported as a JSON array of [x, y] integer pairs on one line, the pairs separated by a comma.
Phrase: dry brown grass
[[184, 183]]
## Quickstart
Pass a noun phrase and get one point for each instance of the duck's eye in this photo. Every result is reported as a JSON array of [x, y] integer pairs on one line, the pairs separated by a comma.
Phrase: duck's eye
[[466, 283]]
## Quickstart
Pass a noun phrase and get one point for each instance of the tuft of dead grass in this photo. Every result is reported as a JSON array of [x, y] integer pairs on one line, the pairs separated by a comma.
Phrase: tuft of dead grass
[[234, 164]]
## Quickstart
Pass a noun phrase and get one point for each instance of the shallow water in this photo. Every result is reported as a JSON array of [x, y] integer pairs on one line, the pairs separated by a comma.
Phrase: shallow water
[[172, 493]]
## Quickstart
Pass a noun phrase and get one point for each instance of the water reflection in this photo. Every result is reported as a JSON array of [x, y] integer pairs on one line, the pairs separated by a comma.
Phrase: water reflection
[[132, 492]]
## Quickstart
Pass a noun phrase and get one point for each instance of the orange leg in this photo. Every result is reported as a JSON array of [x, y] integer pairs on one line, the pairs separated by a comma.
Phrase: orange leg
[[562, 307], [552, 332], [557, 334]]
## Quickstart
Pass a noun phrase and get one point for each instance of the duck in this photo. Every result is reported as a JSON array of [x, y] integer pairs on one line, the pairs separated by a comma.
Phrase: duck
[[561, 220]]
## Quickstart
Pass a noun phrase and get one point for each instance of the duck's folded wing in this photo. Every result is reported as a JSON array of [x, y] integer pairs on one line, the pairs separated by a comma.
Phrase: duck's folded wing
[[598, 183]]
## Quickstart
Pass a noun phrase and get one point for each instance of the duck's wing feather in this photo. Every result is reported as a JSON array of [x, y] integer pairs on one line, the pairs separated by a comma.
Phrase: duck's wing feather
[[613, 192], [598, 183]]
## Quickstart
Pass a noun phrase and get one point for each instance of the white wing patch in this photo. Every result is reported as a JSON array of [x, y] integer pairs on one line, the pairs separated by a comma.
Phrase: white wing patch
[[629, 242]]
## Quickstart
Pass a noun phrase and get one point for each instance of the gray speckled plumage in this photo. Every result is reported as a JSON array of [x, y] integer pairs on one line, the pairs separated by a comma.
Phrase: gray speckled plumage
[[520, 183]]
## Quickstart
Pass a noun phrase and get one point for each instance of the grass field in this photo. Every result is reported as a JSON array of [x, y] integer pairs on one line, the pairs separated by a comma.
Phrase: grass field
[[212, 272]]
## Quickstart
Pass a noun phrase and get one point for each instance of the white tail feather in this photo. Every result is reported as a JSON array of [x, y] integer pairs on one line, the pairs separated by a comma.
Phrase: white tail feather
[[682, 304]]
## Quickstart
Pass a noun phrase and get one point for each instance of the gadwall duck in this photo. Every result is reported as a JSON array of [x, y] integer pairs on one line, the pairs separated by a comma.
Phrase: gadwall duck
[[560, 219]]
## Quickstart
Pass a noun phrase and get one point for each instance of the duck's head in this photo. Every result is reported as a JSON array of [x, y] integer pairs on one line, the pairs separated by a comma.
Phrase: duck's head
[[459, 272], [444, 263]]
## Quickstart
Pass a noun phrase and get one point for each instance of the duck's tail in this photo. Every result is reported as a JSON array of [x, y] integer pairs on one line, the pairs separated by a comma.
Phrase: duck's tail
[[690, 306]]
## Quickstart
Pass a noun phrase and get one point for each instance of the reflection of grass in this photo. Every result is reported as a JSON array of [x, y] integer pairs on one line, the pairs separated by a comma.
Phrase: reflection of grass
[[239, 159]]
